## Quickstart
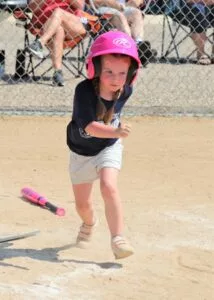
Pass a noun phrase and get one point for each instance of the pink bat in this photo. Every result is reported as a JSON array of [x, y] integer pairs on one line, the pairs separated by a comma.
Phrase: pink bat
[[36, 198]]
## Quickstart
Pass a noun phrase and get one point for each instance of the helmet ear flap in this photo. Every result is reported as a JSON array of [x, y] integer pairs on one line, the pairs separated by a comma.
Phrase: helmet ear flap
[[132, 72], [93, 67], [97, 66], [90, 69]]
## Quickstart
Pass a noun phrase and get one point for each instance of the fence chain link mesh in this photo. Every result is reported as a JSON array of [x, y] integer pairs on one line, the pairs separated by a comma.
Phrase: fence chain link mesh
[[175, 78]]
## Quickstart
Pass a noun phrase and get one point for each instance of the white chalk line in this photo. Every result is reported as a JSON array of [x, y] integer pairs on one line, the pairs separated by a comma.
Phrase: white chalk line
[[56, 287]]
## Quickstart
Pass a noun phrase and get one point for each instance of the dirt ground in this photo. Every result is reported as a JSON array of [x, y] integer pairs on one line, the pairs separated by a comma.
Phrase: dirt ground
[[167, 189]]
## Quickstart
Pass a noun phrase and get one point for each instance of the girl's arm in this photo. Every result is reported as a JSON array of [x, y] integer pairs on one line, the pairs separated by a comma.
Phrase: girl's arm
[[100, 130]]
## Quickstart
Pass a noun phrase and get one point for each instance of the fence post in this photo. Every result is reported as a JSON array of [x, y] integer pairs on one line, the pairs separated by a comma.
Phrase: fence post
[[2, 63], [20, 64]]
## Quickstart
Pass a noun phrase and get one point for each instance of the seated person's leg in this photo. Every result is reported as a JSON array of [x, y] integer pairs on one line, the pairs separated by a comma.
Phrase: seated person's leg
[[118, 20], [210, 18], [135, 20], [69, 22], [198, 25], [54, 29], [193, 16], [55, 45]]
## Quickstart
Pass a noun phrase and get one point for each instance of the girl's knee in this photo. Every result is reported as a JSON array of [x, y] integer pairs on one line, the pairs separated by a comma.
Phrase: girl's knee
[[136, 13], [107, 187], [81, 30], [57, 12], [83, 206], [119, 16]]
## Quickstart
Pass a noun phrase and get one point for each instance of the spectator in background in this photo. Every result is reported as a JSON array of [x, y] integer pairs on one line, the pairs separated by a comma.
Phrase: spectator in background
[[127, 17], [198, 16], [210, 18], [58, 21]]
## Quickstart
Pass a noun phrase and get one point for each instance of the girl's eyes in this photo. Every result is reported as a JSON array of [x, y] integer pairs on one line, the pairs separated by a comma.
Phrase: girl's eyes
[[111, 73]]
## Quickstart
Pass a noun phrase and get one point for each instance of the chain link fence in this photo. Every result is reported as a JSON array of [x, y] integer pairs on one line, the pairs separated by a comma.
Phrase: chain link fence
[[173, 82]]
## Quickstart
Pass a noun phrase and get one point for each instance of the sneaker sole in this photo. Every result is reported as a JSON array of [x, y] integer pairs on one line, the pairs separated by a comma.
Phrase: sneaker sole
[[41, 56], [123, 254], [57, 84], [83, 244]]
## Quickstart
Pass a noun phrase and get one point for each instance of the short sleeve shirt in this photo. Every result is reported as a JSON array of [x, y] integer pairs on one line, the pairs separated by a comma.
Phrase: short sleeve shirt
[[84, 112]]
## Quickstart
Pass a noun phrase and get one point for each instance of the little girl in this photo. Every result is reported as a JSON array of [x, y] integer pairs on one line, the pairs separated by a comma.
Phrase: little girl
[[94, 134]]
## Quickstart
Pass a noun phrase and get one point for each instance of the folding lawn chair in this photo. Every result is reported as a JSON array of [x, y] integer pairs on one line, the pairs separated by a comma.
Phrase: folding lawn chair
[[178, 32], [73, 63], [171, 43]]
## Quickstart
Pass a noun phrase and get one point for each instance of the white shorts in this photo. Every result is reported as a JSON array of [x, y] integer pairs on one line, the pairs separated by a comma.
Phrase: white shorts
[[113, 11], [85, 169]]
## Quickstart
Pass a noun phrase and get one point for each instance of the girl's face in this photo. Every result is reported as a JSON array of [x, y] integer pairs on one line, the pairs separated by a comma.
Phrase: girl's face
[[114, 70]]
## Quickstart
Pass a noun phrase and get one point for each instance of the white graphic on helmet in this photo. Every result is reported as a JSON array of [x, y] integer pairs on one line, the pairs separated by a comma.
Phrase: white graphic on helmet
[[122, 42]]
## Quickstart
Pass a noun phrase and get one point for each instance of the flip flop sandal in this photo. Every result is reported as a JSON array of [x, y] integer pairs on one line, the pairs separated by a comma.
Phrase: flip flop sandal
[[204, 60]]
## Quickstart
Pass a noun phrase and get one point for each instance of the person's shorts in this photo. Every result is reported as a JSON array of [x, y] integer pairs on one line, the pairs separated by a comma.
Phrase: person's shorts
[[85, 169], [108, 11], [113, 11]]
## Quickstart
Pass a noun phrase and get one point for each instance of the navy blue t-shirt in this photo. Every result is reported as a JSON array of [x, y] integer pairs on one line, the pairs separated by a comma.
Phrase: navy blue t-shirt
[[84, 112]]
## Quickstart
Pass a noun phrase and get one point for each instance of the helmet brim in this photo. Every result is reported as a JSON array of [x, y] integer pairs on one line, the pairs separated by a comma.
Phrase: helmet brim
[[119, 51]]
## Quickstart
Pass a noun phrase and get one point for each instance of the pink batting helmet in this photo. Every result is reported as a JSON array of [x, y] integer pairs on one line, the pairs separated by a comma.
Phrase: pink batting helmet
[[113, 42]]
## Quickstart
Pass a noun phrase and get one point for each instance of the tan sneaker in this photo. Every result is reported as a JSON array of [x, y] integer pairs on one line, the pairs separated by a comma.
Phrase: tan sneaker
[[121, 247], [84, 235]]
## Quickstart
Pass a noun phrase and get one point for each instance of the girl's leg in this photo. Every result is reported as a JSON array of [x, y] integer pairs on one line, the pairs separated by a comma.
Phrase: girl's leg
[[113, 206], [82, 193], [114, 214], [67, 20], [83, 201]]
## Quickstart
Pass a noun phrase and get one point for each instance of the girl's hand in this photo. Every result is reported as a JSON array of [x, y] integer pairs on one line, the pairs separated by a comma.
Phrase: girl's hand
[[123, 131]]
